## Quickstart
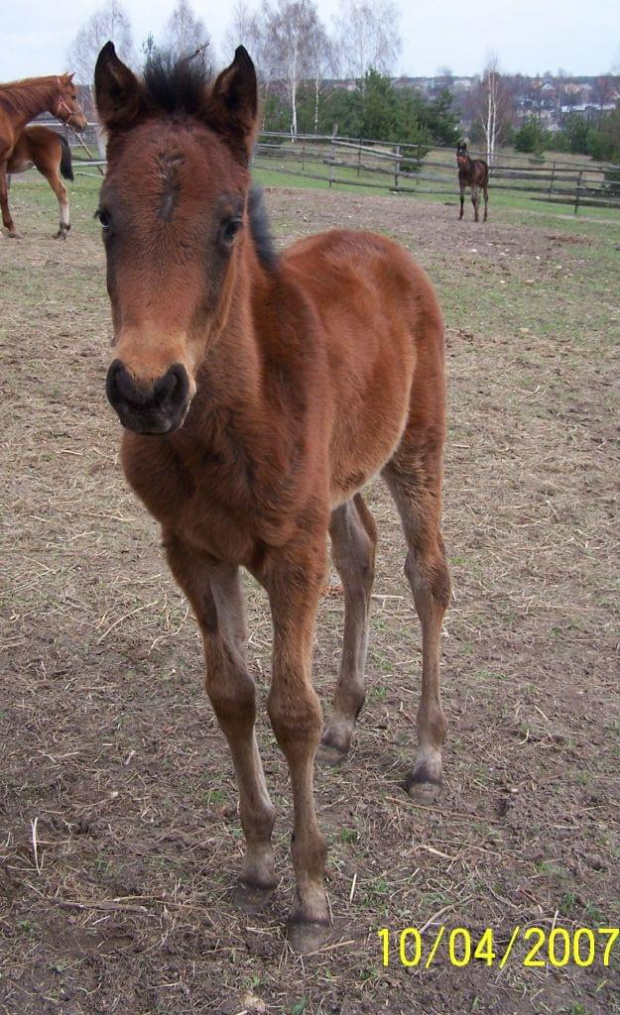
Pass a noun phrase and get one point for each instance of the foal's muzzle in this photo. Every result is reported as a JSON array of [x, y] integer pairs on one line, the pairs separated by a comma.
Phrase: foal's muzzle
[[158, 409]]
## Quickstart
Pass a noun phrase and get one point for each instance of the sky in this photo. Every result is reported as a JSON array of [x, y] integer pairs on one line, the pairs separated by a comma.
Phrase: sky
[[528, 36]]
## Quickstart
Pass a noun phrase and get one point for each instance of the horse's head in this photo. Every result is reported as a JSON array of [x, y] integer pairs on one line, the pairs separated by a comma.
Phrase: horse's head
[[67, 107], [462, 155], [172, 208]]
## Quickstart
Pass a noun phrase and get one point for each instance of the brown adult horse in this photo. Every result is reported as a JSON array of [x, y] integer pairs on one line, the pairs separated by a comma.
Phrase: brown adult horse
[[473, 173], [20, 102], [260, 393], [49, 152]]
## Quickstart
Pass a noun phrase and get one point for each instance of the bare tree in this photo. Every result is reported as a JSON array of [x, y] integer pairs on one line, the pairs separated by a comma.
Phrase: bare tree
[[246, 29], [185, 33], [323, 60], [604, 92], [368, 36], [290, 46], [110, 22], [494, 105]]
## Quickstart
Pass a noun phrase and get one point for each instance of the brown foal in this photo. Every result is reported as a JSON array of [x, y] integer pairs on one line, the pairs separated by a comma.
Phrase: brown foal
[[49, 152], [20, 102], [260, 393], [473, 173]]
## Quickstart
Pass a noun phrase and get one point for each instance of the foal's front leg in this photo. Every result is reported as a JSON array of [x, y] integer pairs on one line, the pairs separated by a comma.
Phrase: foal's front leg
[[293, 578], [7, 220], [214, 591]]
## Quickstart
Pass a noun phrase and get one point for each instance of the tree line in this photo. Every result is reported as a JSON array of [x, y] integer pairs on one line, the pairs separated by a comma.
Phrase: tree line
[[299, 64], [314, 80]]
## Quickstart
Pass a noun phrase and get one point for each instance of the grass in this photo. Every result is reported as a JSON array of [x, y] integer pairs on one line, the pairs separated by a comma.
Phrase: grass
[[359, 181], [84, 197]]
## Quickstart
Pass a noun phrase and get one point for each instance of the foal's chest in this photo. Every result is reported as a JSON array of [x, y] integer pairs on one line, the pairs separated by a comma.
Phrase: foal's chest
[[207, 499]]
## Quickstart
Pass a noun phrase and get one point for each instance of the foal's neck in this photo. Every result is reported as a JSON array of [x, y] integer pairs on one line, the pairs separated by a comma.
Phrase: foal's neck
[[26, 99], [232, 371]]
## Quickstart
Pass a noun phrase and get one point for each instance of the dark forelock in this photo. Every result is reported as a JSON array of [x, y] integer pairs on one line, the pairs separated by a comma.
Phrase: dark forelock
[[176, 85]]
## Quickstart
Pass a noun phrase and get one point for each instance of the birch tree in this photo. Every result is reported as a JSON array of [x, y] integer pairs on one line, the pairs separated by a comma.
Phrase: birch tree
[[368, 36], [245, 29], [109, 22], [495, 107], [291, 30], [322, 60], [185, 33]]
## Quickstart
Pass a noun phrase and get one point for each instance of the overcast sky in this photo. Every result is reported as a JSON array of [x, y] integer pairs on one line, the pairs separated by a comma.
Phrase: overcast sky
[[528, 36]]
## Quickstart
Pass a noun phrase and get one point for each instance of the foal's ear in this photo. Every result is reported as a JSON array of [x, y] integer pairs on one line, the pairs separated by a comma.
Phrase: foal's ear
[[232, 106], [118, 93]]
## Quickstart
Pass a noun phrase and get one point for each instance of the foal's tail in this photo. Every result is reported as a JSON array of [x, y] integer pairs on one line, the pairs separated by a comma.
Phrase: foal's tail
[[66, 169]]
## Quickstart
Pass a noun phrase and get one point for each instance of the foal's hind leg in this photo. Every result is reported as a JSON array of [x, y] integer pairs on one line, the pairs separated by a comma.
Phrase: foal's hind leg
[[414, 480], [475, 200], [63, 201], [214, 591], [354, 536]]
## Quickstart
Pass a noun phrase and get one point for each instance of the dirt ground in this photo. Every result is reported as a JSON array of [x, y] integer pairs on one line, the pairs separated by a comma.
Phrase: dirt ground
[[119, 834]]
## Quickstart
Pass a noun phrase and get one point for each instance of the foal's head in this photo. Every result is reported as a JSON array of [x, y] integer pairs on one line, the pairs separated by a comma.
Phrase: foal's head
[[462, 155], [173, 209]]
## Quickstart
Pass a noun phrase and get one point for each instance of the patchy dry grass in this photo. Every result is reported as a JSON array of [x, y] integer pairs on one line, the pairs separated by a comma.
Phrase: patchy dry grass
[[118, 819]]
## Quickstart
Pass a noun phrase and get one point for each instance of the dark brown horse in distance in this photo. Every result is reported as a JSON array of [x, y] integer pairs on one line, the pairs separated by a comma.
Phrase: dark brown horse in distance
[[20, 102], [473, 173], [260, 392], [49, 152]]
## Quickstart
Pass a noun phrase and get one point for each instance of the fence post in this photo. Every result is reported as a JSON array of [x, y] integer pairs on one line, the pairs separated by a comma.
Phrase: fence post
[[303, 155], [578, 190], [396, 166], [552, 179], [359, 158], [331, 174]]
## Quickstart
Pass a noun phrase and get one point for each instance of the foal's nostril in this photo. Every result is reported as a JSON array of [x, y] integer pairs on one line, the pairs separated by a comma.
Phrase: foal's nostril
[[121, 389], [173, 388], [157, 409]]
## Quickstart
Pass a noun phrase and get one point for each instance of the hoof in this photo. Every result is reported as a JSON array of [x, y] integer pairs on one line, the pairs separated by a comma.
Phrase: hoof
[[252, 898], [305, 938], [16, 236], [330, 755], [422, 789]]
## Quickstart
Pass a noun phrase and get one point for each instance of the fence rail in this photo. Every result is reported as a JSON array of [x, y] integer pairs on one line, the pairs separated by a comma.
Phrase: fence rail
[[416, 169], [403, 168]]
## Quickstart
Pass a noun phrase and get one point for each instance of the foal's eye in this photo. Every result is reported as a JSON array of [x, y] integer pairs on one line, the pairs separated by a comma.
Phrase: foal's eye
[[230, 230], [105, 219]]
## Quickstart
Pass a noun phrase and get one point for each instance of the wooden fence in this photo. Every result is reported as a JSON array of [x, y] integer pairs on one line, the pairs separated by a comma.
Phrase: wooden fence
[[414, 169], [408, 169]]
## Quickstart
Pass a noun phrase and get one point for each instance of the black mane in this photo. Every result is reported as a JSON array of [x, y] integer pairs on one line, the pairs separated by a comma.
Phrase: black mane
[[261, 233], [176, 85]]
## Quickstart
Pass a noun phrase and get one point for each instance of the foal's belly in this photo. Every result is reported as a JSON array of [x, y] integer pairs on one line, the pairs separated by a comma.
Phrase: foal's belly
[[19, 166]]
